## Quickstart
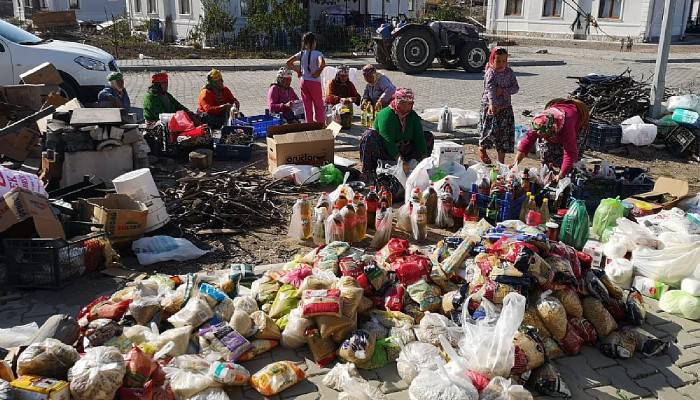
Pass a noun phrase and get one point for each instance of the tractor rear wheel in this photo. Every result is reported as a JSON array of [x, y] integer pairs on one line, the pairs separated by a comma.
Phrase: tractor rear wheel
[[474, 57], [413, 50]]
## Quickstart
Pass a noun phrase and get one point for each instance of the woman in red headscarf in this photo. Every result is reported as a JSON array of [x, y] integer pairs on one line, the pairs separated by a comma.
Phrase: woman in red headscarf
[[497, 122], [158, 100]]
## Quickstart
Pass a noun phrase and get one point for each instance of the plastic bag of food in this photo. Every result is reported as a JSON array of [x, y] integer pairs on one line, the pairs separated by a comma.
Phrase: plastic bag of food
[[619, 344], [359, 347], [375, 327], [264, 326], [245, 303], [323, 350], [50, 358], [195, 313], [570, 300], [243, 323], [264, 289], [393, 318], [571, 343], [97, 375], [314, 282], [379, 357], [225, 341], [553, 315], [531, 346], [596, 287], [210, 394], [293, 334], [276, 377], [584, 329], [503, 389], [437, 385], [100, 331], [680, 302], [552, 349], [345, 378], [691, 286], [315, 303], [598, 315], [140, 368], [532, 318], [103, 307], [286, 300], [351, 267], [229, 374], [189, 375], [296, 276], [433, 325], [547, 381], [606, 216], [636, 312], [394, 298], [621, 272], [258, 347], [426, 295]]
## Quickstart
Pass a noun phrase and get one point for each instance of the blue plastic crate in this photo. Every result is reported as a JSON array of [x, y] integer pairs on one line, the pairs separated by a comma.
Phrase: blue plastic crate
[[260, 123], [508, 208], [234, 152]]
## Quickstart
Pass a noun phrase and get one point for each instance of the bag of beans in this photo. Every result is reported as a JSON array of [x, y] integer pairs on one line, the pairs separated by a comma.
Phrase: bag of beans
[[584, 329], [594, 311], [619, 344], [531, 346], [552, 349], [553, 314], [636, 313], [547, 381], [571, 302], [532, 318]]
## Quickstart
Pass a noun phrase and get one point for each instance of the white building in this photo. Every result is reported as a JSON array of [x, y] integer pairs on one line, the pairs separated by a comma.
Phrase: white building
[[85, 10], [185, 13], [638, 19]]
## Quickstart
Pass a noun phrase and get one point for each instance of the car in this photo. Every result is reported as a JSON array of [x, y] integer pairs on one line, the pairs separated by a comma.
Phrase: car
[[412, 48], [84, 68]]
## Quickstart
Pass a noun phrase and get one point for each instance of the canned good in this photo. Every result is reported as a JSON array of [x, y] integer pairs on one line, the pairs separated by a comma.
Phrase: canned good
[[552, 231]]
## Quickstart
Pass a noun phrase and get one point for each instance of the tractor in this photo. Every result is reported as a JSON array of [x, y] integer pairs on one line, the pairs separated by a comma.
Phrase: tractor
[[413, 47]]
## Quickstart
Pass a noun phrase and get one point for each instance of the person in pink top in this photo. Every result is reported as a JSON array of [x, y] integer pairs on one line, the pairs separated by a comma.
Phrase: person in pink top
[[309, 68], [281, 96], [559, 131]]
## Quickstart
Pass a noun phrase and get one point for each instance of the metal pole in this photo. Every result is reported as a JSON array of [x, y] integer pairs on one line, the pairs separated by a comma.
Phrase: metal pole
[[659, 86]]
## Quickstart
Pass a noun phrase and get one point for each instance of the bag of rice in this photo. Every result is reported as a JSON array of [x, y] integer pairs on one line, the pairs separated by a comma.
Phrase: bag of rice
[[225, 341], [50, 358], [265, 327], [241, 322], [571, 302], [229, 374], [293, 334], [594, 311], [276, 377], [194, 313], [613, 288], [313, 282], [358, 348], [98, 375], [264, 289], [259, 346], [315, 303], [553, 314], [323, 350], [415, 357]]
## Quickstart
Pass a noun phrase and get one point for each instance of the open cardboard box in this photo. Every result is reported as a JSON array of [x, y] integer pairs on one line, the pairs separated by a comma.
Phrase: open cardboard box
[[299, 144], [122, 216], [21, 204], [664, 186]]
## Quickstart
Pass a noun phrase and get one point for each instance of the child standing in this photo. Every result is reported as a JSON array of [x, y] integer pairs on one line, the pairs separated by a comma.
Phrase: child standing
[[311, 65], [497, 122]]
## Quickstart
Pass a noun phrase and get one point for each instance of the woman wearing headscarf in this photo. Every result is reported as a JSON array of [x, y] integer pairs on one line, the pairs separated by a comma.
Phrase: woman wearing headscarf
[[114, 95], [497, 122], [559, 131], [398, 131], [341, 89], [216, 101], [158, 100], [281, 97], [379, 89]]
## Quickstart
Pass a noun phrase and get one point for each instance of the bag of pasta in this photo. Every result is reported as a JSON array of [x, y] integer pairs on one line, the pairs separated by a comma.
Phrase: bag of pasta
[[553, 315], [276, 377]]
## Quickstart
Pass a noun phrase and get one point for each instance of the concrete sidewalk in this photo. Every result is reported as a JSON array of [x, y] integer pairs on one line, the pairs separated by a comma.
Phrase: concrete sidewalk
[[273, 64]]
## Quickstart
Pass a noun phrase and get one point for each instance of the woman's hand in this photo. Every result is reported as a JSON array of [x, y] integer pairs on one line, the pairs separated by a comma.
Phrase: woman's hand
[[289, 104], [492, 109]]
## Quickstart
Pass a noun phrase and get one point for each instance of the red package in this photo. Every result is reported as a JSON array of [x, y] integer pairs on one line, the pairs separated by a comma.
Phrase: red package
[[159, 392], [320, 302], [508, 250], [296, 276], [180, 122], [617, 309], [584, 329], [350, 267], [572, 342], [412, 268], [102, 307], [585, 260], [393, 301], [364, 284], [520, 362], [395, 248], [480, 381], [139, 367]]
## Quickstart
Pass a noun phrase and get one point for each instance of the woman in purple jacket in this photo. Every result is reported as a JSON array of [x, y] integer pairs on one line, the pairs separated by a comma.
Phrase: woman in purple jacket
[[281, 96]]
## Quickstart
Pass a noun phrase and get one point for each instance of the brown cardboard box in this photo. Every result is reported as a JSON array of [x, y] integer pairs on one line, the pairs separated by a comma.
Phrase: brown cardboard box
[[25, 95], [18, 145], [674, 187], [121, 215], [293, 144], [21, 204], [43, 73]]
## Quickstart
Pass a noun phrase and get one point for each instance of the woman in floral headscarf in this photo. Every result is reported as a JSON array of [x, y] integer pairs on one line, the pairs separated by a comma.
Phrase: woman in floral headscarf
[[216, 101], [559, 131], [281, 96], [398, 131]]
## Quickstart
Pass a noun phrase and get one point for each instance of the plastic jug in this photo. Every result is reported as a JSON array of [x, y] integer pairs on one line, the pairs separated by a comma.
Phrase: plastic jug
[[445, 121]]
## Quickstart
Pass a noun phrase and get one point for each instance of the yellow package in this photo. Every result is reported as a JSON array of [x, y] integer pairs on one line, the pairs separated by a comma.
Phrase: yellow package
[[30, 387], [276, 377]]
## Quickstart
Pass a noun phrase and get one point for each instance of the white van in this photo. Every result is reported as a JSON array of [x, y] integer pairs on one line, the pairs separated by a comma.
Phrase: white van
[[84, 68]]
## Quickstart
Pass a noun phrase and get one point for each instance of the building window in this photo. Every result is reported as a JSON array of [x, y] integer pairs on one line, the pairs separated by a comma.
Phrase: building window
[[43, 5], [137, 6], [552, 8], [514, 7], [74, 4], [610, 9], [244, 8], [184, 7], [151, 7], [411, 5]]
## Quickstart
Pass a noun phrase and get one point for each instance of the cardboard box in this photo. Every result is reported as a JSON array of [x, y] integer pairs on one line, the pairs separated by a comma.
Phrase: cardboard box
[[21, 204], [446, 151], [28, 387], [25, 95], [665, 186], [43, 73], [121, 215], [18, 145], [295, 144]]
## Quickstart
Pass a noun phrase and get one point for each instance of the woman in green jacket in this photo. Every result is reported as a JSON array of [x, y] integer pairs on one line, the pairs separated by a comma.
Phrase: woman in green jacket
[[159, 101], [398, 131]]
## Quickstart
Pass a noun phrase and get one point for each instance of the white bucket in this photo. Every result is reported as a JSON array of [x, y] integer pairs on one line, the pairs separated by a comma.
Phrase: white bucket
[[140, 185]]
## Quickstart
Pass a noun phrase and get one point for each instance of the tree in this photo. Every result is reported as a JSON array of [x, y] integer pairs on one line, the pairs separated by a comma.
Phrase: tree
[[216, 20], [267, 16]]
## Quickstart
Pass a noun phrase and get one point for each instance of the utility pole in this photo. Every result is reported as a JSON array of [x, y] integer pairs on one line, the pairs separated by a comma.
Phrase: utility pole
[[659, 86]]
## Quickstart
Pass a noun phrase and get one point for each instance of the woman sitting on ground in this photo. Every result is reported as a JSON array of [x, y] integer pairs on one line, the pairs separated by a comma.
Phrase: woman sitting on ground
[[158, 100], [379, 90], [398, 132], [281, 97], [341, 89], [216, 101]]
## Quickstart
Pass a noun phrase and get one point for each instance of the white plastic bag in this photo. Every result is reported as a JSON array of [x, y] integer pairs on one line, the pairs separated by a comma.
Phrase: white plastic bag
[[640, 235], [669, 265], [17, 335], [460, 117], [395, 170], [98, 375], [188, 375], [415, 357], [637, 132], [210, 394], [194, 313], [437, 385], [685, 102], [300, 174], [345, 378], [488, 343], [617, 246], [691, 286], [680, 302], [503, 389], [620, 271], [150, 250], [293, 334], [419, 177], [10, 179], [384, 226], [349, 193]]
